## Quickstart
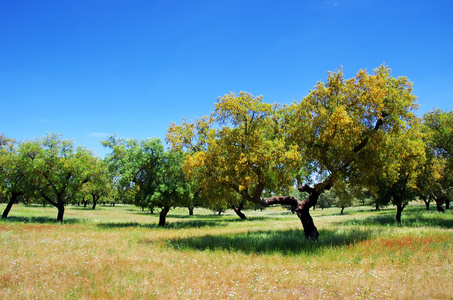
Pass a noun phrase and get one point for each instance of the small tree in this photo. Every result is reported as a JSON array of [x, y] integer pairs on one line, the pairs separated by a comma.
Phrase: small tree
[[172, 187], [56, 169], [133, 165], [345, 196], [397, 170], [326, 200], [153, 176], [100, 183], [436, 175]]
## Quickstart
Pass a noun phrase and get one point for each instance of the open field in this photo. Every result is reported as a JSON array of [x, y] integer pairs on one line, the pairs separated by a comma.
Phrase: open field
[[119, 253]]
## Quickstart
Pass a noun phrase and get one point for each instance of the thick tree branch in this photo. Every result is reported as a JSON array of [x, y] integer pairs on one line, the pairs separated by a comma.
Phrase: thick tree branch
[[364, 142], [48, 199]]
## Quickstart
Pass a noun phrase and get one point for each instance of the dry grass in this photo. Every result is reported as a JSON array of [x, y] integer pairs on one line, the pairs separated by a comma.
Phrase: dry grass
[[119, 253]]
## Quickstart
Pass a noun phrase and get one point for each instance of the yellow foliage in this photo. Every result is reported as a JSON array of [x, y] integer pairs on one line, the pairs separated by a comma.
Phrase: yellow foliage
[[246, 141]]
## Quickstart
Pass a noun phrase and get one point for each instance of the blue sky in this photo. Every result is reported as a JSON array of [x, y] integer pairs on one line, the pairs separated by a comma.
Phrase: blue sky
[[89, 69]]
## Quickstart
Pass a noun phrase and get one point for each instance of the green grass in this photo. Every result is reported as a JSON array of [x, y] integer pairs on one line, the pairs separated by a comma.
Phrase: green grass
[[284, 242], [120, 253], [413, 216]]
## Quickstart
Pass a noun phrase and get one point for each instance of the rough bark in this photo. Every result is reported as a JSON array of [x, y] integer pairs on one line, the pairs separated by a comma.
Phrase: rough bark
[[302, 209], [95, 200], [59, 204], [12, 200], [440, 204], [191, 208], [426, 200], [238, 211], [163, 215], [60, 207], [399, 210]]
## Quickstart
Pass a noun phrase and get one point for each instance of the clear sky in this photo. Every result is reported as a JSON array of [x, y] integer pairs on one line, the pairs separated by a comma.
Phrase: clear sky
[[92, 68]]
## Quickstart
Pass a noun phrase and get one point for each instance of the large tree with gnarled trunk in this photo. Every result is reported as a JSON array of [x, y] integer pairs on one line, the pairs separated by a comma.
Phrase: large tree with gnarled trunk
[[327, 140]]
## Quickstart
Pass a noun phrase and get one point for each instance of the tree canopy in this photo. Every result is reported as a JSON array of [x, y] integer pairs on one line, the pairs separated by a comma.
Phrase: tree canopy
[[56, 169], [436, 175], [328, 139], [133, 165], [155, 177]]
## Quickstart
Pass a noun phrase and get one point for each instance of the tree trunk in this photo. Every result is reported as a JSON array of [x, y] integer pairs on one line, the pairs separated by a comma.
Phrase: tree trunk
[[342, 209], [399, 210], [163, 215], [427, 205], [60, 207], [12, 200], [377, 206], [439, 204], [310, 230], [426, 200], [191, 208], [95, 200], [302, 209], [447, 203], [238, 211]]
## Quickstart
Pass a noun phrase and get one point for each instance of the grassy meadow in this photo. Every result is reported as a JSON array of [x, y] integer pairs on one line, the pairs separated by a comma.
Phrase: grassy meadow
[[119, 253]]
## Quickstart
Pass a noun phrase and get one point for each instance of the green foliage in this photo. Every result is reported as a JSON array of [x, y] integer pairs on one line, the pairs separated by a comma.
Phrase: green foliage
[[11, 176], [100, 183], [133, 165], [436, 174], [145, 172], [172, 188], [326, 200], [55, 169]]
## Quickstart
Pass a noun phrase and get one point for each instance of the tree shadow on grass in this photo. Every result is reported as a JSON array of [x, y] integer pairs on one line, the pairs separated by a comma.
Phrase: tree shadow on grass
[[284, 242], [412, 220], [229, 218], [39, 220], [168, 225]]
